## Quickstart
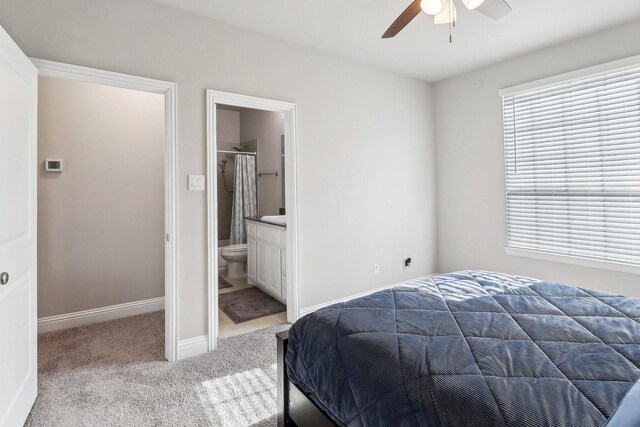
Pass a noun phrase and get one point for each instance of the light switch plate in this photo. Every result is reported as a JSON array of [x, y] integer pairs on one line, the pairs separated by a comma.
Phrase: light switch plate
[[196, 182]]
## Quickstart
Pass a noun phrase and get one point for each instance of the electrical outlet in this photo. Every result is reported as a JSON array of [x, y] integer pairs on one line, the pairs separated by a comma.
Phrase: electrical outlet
[[376, 268]]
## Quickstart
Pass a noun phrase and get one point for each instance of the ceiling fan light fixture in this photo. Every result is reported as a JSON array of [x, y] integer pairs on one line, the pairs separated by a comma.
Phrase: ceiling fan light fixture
[[431, 7], [448, 14], [472, 4], [444, 12]]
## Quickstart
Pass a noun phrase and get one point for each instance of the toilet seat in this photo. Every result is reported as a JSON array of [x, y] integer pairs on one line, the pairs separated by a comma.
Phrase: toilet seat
[[235, 248]]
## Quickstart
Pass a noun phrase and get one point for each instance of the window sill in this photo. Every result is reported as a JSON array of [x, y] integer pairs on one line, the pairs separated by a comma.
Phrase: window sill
[[567, 259]]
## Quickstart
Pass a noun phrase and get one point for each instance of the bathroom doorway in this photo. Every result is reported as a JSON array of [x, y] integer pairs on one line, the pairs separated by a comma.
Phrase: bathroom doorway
[[251, 214]]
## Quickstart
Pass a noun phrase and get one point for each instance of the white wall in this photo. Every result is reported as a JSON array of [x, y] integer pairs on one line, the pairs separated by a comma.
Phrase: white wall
[[101, 221], [267, 127], [470, 163], [366, 150]]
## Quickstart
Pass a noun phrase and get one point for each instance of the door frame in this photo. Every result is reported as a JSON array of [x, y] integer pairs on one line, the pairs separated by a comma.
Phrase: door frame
[[169, 91], [214, 98]]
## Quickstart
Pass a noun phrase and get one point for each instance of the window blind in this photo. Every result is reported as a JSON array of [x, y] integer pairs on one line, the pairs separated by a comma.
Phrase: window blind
[[572, 159]]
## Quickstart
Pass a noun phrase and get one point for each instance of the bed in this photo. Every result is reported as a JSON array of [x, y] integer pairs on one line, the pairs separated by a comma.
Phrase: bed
[[471, 348]]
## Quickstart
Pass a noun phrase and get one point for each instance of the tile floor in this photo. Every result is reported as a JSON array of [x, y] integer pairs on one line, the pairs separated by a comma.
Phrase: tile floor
[[226, 327]]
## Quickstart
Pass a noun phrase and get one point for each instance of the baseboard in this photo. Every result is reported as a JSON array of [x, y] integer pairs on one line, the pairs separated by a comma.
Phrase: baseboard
[[193, 346], [102, 314]]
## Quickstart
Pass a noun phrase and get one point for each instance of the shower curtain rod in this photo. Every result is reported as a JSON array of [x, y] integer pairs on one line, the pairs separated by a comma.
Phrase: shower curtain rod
[[236, 152]]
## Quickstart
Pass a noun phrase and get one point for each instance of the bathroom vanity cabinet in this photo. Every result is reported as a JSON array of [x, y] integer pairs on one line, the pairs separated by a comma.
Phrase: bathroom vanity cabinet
[[266, 254]]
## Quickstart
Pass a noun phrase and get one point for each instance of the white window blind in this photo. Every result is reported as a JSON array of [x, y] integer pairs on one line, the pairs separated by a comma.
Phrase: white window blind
[[572, 158]]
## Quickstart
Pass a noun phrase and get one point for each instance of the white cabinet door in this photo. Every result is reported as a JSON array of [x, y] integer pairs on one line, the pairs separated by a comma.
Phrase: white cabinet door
[[262, 273], [252, 261], [18, 272], [275, 273]]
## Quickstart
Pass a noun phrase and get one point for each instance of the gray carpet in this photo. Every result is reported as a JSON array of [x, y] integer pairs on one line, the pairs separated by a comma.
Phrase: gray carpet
[[112, 374]]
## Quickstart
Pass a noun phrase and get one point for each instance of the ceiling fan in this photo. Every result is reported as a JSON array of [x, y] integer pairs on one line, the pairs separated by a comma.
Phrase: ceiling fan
[[444, 12]]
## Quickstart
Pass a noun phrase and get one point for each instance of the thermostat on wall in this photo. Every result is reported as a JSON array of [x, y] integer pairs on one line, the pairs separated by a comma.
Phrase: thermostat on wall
[[53, 165]]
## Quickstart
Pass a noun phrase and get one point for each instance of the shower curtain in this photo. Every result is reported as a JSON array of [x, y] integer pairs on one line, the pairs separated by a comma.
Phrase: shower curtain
[[244, 197]]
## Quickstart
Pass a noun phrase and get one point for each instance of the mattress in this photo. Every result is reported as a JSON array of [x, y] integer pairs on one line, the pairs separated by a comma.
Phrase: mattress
[[472, 348]]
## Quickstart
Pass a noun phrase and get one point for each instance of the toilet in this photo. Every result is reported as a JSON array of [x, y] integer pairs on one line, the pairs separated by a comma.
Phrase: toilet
[[236, 257]]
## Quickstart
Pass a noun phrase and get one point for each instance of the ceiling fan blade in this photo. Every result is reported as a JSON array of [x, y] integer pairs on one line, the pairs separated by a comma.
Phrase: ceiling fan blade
[[495, 9], [407, 16]]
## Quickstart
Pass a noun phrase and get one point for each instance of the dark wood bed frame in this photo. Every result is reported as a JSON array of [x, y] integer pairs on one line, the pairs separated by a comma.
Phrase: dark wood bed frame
[[295, 407]]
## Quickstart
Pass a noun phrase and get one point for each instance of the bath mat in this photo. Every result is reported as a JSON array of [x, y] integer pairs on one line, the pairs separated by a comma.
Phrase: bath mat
[[223, 283], [249, 304]]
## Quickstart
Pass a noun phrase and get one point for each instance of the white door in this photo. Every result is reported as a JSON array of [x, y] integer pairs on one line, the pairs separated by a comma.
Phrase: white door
[[18, 173]]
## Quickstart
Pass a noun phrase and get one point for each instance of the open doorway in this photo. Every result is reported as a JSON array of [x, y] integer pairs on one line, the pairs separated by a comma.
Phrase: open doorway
[[251, 220], [106, 210], [252, 207]]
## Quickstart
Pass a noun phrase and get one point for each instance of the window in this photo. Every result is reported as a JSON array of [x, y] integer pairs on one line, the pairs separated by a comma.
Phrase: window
[[572, 160]]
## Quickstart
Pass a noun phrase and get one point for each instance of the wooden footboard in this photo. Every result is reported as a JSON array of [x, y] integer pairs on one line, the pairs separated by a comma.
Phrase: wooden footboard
[[295, 408]]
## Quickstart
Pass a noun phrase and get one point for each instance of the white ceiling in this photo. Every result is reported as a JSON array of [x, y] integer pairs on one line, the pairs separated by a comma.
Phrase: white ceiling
[[352, 28]]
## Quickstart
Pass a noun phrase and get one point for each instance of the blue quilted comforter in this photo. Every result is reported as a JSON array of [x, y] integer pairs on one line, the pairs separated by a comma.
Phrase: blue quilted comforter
[[472, 349]]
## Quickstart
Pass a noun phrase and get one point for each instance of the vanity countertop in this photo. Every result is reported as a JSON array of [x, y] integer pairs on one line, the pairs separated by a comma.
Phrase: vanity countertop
[[258, 219]]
